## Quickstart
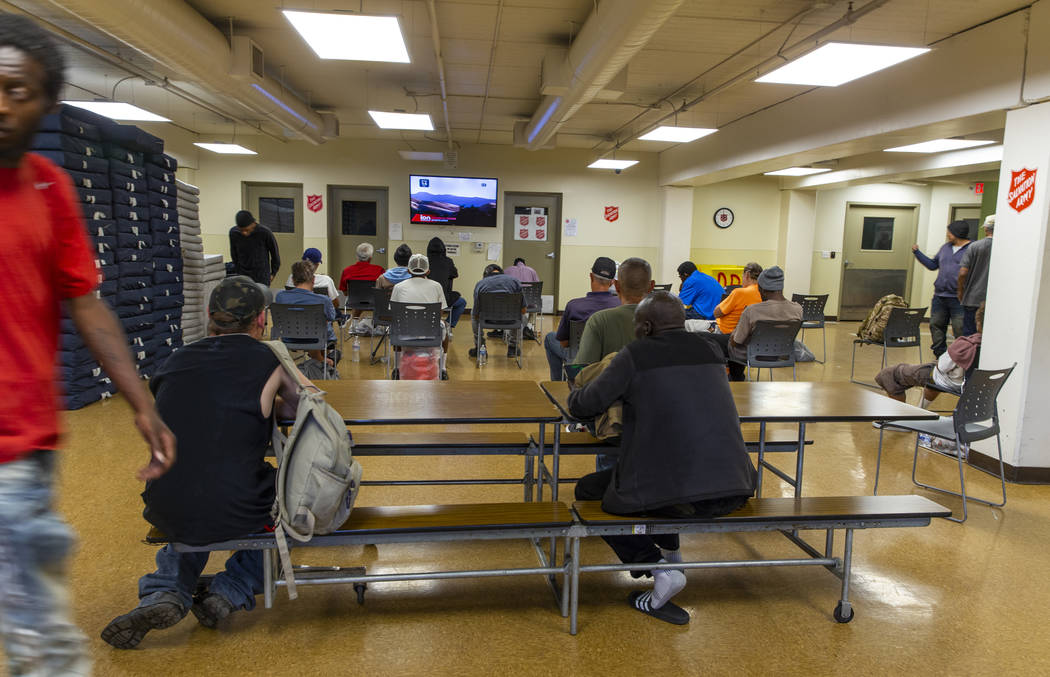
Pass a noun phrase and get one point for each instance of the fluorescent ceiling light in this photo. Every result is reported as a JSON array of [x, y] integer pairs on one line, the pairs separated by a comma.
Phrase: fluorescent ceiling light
[[798, 171], [612, 164], [116, 110], [939, 146], [226, 148], [351, 37], [420, 121], [839, 62], [421, 156], [677, 134]]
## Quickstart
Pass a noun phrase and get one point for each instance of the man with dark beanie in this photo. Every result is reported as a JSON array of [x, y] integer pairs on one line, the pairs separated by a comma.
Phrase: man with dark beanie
[[253, 249], [945, 304]]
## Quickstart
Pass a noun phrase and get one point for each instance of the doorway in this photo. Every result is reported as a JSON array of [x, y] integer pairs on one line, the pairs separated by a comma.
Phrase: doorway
[[532, 231], [356, 215], [279, 207], [877, 258], [971, 214]]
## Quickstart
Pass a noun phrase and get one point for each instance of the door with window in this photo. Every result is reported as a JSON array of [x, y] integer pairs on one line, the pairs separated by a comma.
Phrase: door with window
[[279, 207], [532, 231], [355, 215], [971, 214], [877, 258]]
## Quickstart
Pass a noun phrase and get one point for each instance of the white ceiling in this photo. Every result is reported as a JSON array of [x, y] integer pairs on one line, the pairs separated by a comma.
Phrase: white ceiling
[[706, 43]]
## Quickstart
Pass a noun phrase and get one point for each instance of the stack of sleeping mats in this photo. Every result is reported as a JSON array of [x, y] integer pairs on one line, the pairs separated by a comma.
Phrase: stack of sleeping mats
[[167, 258], [194, 324]]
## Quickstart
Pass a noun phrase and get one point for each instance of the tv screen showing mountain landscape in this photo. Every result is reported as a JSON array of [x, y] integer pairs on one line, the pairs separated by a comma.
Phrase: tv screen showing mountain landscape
[[453, 200]]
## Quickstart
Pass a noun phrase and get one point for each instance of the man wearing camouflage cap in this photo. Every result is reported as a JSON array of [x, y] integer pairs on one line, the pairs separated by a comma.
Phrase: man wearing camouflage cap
[[218, 395]]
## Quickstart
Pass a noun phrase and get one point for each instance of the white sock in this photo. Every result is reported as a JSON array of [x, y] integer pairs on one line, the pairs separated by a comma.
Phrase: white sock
[[666, 584]]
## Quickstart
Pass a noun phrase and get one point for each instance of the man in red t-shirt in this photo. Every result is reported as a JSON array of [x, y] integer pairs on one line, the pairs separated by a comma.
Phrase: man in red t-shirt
[[47, 260], [364, 269]]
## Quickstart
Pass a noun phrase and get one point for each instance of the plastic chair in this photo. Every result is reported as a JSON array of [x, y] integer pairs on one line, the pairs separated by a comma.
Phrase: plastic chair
[[813, 316], [662, 287], [359, 297], [902, 331], [534, 305], [575, 334], [382, 317], [301, 327], [500, 310], [771, 346], [415, 325], [976, 417]]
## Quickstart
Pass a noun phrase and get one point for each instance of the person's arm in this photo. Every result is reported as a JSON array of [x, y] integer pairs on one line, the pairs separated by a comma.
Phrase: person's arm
[[281, 393], [275, 255], [688, 293], [742, 332], [611, 385], [329, 309], [964, 275], [931, 264], [104, 337], [561, 334], [233, 250], [725, 306], [453, 273]]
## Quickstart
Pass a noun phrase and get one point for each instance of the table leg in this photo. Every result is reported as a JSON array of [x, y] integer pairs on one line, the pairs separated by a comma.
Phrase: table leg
[[798, 461], [554, 462], [539, 463], [761, 457]]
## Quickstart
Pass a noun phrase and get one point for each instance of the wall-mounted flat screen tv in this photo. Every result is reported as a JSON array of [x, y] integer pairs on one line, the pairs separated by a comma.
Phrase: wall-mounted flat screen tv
[[453, 200]]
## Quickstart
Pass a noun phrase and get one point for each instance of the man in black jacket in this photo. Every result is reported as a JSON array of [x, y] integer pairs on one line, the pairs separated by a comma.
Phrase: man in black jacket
[[681, 454], [253, 249]]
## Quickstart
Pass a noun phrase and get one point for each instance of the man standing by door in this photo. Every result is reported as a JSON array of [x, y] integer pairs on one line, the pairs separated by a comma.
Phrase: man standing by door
[[945, 305], [973, 277], [253, 249]]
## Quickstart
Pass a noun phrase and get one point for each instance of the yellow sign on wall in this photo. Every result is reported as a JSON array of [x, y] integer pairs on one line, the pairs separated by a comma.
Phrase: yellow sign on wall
[[726, 275]]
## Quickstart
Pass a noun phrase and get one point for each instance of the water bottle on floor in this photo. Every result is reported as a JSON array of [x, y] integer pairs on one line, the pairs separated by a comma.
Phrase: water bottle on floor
[[356, 350], [483, 355]]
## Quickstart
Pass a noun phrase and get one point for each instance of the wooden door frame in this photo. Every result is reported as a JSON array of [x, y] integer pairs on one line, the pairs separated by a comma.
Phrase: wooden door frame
[[560, 198], [915, 207]]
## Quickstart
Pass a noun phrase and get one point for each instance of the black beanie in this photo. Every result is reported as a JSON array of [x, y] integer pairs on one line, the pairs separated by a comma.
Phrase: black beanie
[[959, 229]]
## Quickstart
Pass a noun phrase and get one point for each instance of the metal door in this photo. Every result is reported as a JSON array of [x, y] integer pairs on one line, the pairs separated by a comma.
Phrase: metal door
[[528, 215], [877, 258], [971, 214], [356, 215], [279, 207]]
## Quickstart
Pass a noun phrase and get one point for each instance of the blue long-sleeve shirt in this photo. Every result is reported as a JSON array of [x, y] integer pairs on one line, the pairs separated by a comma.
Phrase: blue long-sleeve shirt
[[947, 263], [702, 292]]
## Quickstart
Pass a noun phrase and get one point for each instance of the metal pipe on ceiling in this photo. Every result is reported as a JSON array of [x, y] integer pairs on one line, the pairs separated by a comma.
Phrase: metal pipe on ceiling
[[436, 36]]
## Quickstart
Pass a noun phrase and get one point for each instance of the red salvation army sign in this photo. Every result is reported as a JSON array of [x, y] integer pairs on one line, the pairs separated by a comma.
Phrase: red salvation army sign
[[1022, 189], [314, 203], [612, 213]]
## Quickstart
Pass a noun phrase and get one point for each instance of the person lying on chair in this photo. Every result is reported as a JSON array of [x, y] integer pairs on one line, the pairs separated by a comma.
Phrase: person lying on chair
[[681, 454]]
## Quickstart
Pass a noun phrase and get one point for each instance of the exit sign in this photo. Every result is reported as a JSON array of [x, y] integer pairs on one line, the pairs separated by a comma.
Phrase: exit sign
[[978, 189]]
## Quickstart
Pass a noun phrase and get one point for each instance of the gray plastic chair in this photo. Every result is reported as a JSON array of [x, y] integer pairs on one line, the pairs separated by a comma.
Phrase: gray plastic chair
[[976, 417], [382, 316], [500, 310], [902, 331], [301, 327], [772, 346], [813, 316], [359, 297], [575, 335], [534, 305], [662, 287], [414, 325]]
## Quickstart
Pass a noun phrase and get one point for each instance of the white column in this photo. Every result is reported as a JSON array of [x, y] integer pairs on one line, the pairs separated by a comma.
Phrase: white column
[[676, 233], [1017, 317], [797, 227]]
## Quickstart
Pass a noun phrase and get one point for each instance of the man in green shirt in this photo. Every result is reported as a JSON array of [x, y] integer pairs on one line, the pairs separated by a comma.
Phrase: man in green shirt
[[611, 329]]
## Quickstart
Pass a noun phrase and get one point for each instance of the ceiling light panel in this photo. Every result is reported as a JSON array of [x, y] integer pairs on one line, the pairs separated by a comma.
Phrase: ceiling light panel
[[116, 110], [612, 164], [677, 134], [351, 37], [417, 121], [226, 148], [798, 171], [421, 156], [837, 63], [939, 146]]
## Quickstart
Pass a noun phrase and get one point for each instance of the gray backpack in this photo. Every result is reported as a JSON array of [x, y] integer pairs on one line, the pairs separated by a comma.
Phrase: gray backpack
[[317, 476]]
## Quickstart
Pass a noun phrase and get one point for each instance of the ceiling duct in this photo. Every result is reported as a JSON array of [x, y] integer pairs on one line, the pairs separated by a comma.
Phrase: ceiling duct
[[174, 35], [614, 32]]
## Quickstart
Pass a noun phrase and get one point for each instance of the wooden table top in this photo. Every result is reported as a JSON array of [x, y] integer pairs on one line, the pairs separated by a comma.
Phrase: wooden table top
[[407, 402], [796, 402]]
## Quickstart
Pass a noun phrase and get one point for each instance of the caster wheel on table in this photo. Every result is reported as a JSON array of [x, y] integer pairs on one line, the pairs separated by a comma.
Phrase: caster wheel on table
[[360, 588], [840, 617]]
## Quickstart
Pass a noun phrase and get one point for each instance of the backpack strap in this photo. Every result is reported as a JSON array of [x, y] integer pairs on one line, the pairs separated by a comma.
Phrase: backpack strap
[[285, 358]]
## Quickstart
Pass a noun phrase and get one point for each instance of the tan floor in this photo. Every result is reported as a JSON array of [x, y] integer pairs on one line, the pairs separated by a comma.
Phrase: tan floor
[[946, 599]]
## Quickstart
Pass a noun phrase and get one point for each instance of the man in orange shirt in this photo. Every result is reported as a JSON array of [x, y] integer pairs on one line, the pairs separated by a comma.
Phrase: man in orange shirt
[[727, 313]]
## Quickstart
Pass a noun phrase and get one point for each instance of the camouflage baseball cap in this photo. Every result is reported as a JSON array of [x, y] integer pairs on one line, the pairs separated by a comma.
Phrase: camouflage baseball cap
[[236, 299]]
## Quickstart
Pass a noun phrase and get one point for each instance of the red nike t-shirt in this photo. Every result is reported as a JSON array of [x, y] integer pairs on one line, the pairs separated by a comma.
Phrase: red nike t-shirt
[[45, 258]]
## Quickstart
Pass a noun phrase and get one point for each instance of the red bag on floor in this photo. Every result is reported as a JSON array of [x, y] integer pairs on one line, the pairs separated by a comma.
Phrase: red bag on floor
[[420, 364]]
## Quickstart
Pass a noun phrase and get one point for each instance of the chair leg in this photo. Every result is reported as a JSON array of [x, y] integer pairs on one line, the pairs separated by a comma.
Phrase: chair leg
[[878, 462], [477, 345], [520, 346], [852, 364], [824, 351]]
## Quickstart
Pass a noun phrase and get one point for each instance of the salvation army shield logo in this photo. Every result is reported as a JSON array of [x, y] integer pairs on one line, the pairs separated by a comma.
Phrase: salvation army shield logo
[[314, 203], [523, 233], [612, 213], [523, 220], [541, 221], [1022, 189], [541, 234]]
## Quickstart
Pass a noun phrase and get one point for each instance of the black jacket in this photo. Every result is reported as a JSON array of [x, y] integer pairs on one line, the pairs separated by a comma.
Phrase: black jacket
[[442, 270], [681, 432], [256, 255]]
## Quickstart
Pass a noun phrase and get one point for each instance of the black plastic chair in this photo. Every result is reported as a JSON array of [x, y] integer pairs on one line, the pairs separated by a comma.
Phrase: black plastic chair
[[301, 327], [772, 346], [382, 317], [359, 297], [534, 305], [575, 334], [976, 417], [500, 310], [813, 316], [662, 287], [414, 325], [902, 331]]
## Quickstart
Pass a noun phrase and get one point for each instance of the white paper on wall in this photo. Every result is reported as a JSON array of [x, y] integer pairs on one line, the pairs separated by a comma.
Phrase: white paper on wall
[[395, 231], [531, 224], [494, 248]]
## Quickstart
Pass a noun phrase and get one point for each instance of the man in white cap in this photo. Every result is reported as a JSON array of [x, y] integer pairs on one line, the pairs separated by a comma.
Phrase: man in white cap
[[420, 289]]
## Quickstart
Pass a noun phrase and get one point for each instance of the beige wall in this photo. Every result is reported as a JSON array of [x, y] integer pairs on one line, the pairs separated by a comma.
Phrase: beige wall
[[585, 193], [755, 202]]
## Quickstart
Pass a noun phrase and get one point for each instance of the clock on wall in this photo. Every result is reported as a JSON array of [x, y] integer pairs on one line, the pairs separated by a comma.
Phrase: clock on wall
[[724, 217]]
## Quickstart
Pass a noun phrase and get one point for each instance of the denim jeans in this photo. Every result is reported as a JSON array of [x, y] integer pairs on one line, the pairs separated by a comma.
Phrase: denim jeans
[[969, 320], [35, 544], [177, 574], [942, 310], [556, 355], [457, 309]]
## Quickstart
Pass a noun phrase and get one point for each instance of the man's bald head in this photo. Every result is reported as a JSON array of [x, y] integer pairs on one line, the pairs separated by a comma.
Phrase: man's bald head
[[634, 279], [658, 312]]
